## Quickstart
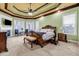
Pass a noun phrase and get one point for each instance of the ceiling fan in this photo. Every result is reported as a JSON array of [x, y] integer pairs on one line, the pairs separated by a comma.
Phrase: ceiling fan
[[30, 11]]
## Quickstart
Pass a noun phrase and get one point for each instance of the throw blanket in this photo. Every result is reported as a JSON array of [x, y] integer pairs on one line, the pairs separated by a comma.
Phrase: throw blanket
[[48, 36], [40, 33]]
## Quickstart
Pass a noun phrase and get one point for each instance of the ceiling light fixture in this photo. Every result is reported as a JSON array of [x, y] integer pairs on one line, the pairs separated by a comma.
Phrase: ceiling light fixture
[[30, 11], [58, 11]]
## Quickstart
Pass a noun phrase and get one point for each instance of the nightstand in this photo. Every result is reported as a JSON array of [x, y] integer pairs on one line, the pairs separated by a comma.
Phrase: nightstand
[[62, 37]]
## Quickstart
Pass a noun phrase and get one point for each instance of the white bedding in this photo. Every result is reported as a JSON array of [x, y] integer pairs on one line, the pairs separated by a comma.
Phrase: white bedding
[[48, 35]]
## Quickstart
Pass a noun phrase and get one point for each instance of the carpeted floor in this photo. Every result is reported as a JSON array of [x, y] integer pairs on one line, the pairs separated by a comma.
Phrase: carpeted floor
[[16, 47]]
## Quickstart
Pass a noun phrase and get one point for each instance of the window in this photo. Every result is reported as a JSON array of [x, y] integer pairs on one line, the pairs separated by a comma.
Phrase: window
[[19, 25], [31, 25], [69, 24]]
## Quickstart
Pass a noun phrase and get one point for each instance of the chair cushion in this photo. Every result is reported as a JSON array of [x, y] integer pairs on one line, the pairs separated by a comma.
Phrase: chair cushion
[[30, 38]]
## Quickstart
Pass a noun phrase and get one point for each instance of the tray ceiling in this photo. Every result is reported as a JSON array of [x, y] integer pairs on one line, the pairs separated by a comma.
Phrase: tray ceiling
[[21, 9]]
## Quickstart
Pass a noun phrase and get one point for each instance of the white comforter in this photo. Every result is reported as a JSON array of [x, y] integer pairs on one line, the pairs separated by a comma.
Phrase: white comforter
[[48, 35]]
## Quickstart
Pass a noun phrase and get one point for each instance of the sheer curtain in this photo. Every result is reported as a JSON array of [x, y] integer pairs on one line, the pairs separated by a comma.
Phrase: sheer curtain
[[19, 25], [31, 26]]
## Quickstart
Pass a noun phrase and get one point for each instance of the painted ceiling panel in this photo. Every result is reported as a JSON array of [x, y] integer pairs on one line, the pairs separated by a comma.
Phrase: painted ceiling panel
[[38, 9]]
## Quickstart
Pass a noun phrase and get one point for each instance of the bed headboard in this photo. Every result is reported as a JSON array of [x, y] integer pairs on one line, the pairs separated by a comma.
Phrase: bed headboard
[[50, 27]]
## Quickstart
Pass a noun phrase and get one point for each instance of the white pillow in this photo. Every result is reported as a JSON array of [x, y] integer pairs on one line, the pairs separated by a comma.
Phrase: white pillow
[[43, 30], [47, 30], [50, 30]]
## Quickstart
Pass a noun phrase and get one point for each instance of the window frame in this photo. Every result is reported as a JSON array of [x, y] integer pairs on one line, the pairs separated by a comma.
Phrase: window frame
[[75, 28]]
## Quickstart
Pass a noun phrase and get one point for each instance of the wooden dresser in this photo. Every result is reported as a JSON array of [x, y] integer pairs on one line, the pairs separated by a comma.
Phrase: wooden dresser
[[62, 37], [3, 41]]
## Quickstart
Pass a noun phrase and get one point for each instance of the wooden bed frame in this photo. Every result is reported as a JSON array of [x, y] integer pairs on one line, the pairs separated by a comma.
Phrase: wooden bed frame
[[55, 32], [40, 41], [50, 27]]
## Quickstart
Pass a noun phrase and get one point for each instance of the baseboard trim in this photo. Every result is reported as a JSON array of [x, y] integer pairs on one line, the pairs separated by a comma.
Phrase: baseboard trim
[[72, 41]]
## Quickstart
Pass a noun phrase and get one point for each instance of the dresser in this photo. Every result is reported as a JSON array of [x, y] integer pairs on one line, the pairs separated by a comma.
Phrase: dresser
[[62, 37], [3, 41]]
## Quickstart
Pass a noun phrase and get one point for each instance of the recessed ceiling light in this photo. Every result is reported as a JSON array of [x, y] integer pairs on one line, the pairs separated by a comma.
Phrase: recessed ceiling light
[[58, 11], [42, 17], [57, 8]]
